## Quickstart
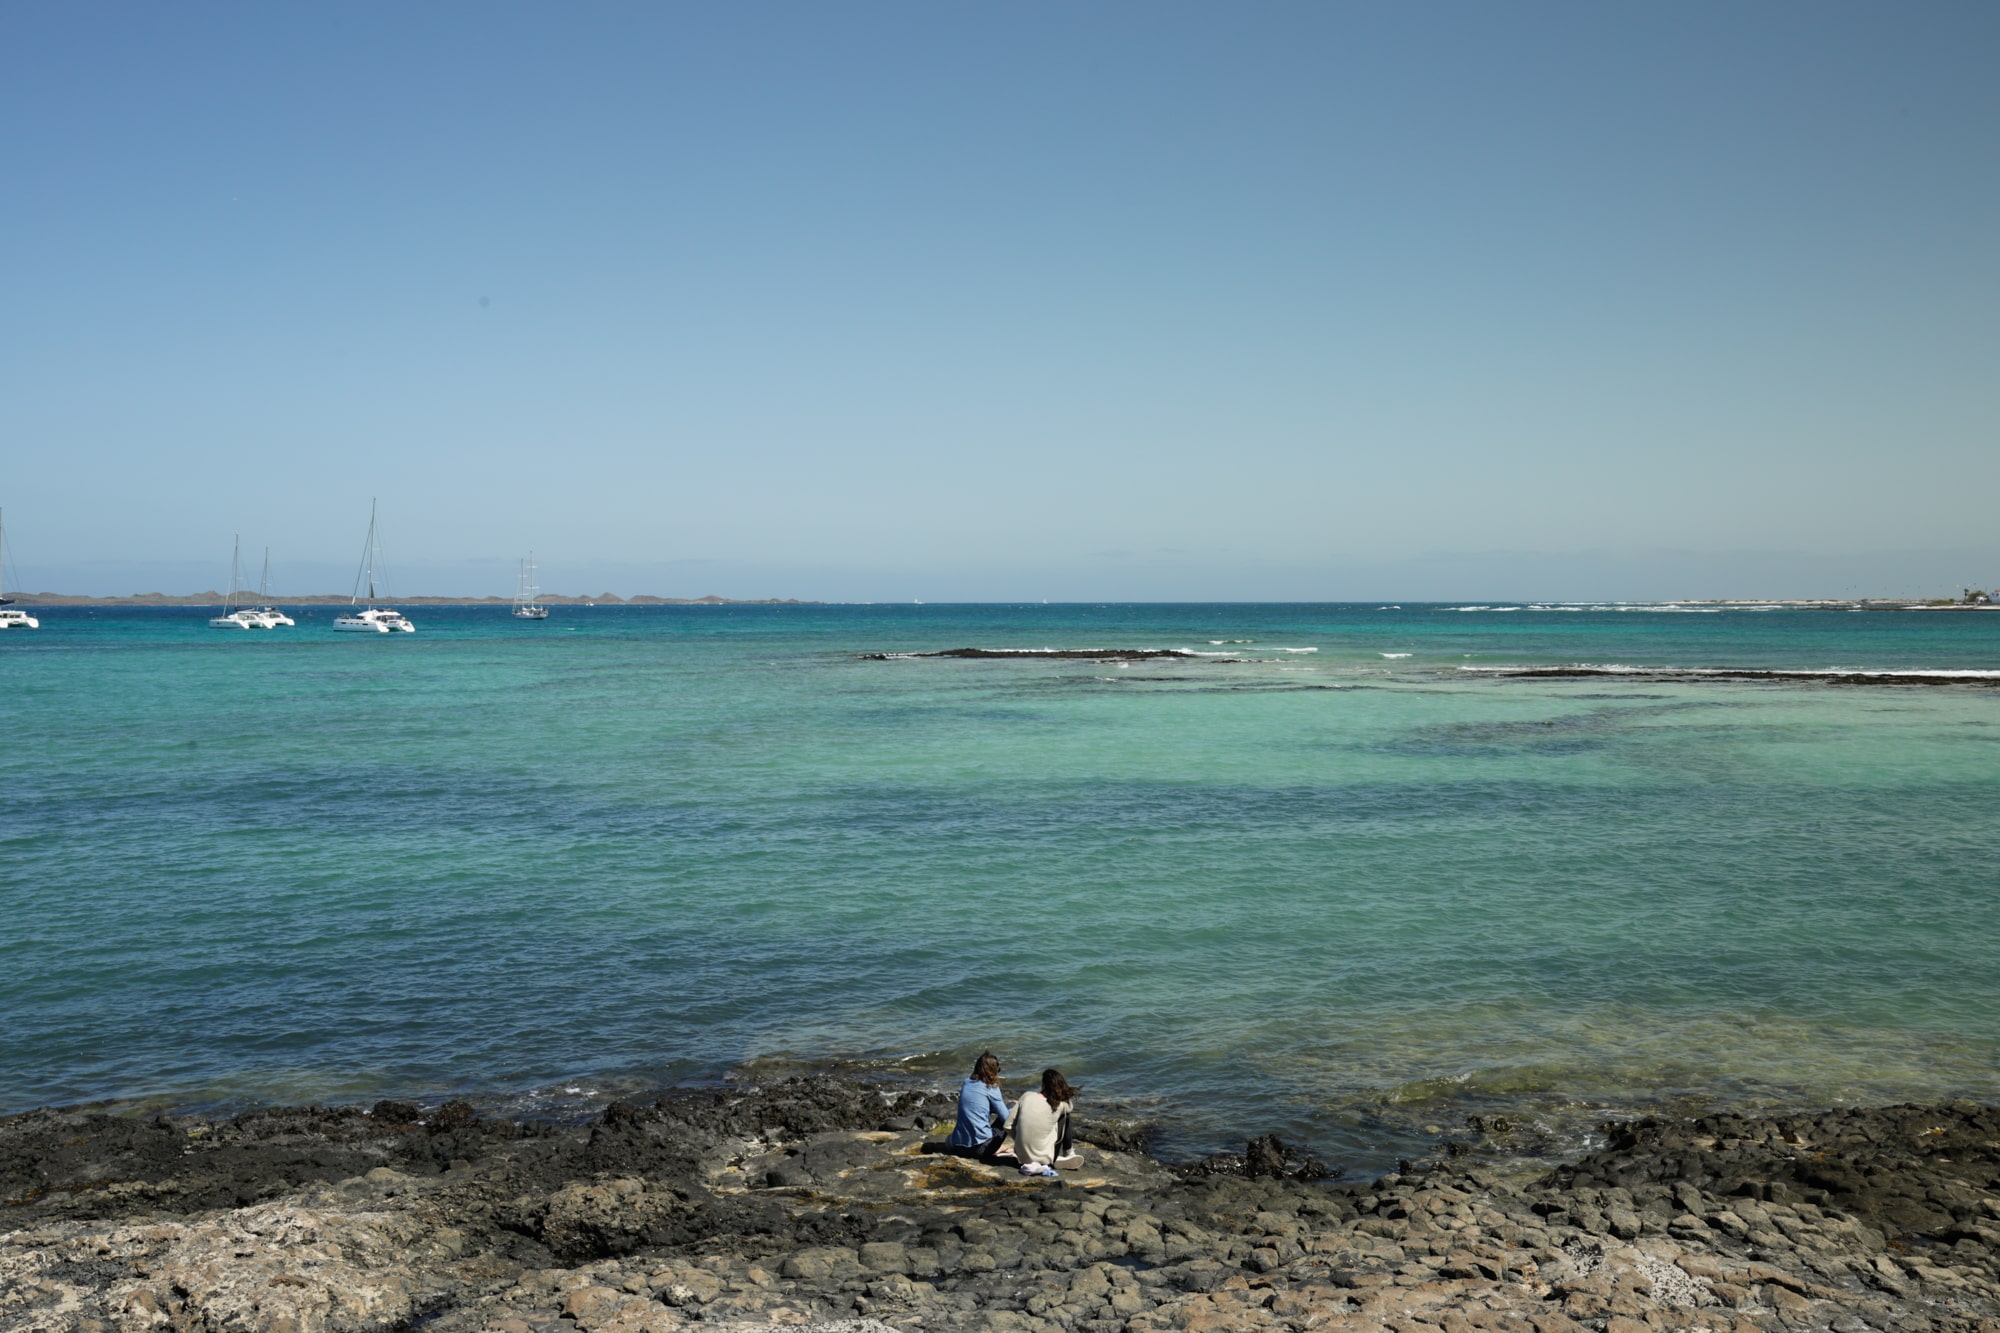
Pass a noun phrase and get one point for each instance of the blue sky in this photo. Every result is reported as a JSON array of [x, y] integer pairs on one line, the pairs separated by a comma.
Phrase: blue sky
[[1117, 300]]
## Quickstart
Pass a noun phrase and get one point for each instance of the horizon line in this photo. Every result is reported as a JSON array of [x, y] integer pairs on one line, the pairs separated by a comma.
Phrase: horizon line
[[212, 597]]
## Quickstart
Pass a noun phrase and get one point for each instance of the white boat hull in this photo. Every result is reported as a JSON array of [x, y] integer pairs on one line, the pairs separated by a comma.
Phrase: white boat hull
[[374, 621], [239, 620]]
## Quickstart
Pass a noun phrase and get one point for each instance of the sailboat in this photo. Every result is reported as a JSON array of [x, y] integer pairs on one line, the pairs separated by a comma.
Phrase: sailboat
[[232, 618], [11, 616], [270, 615], [374, 619], [525, 605]]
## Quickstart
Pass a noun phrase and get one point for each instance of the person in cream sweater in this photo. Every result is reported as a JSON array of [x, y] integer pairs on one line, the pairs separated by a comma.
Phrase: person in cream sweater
[[1039, 1127]]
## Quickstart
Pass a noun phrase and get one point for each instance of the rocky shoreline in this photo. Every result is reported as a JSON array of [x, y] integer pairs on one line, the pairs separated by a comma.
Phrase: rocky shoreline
[[814, 1202]]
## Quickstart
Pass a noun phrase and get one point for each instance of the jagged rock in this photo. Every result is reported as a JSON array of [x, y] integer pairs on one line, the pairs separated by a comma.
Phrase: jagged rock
[[269, 1267], [666, 1211], [591, 1221]]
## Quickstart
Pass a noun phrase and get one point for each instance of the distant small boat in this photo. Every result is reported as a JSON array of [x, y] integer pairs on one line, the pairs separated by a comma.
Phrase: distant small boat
[[375, 619], [525, 605], [10, 616], [232, 618], [270, 615]]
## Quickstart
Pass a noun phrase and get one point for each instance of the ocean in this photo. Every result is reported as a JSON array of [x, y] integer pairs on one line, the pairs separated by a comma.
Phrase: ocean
[[1336, 872]]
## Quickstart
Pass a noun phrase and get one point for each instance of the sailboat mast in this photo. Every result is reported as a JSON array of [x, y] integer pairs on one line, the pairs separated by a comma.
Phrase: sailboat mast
[[367, 573]]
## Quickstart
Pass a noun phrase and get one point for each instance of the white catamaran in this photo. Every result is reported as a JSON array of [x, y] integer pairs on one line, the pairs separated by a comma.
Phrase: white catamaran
[[232, 617], [525, 605], [270, 615], [374, 619], [11, 617]]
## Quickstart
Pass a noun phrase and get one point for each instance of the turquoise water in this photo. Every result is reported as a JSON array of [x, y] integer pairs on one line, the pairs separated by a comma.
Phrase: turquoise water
[[1343, 895]]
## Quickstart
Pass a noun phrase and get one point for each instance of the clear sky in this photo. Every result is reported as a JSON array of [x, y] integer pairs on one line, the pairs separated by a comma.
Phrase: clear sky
[[1101, 300]]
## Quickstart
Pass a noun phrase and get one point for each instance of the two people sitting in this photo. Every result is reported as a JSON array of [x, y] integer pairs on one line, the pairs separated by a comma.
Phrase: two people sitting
[[1035, 1131]]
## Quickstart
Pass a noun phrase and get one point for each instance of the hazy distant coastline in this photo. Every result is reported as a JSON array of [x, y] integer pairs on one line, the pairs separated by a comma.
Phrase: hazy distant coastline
[[213, 598]]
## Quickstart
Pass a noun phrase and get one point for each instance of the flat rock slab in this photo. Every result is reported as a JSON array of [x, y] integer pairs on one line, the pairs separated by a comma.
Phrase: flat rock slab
[[884, 1167]]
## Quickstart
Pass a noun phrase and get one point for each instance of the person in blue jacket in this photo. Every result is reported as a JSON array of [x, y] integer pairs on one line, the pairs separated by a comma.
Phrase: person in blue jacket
[[982, 1112]]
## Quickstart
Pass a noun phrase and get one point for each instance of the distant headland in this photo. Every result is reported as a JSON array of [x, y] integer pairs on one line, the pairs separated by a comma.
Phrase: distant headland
[[213, 598]]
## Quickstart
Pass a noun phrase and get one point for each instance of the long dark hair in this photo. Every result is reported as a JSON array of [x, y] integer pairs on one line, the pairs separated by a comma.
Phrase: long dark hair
[[1056, 1088], [987, 1068]]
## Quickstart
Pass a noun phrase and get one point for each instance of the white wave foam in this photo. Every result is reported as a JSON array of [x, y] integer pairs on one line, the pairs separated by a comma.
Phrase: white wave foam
[[1298, 650], [1953, 673], [1232, 641], [1051, 654], [1776, 673], [1047, 652], [1395, 654]]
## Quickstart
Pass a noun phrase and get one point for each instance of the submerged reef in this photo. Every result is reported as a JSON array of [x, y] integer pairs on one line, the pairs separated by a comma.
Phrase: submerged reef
[[1057, 655], [814, 1201]]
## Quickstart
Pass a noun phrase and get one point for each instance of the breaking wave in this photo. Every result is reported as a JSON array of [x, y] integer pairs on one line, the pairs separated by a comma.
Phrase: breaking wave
[[1829, 675], [1057, 654]]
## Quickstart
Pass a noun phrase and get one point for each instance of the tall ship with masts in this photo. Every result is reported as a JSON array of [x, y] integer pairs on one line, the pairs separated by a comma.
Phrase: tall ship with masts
[[372, 619], [11, 616], [525, 592]]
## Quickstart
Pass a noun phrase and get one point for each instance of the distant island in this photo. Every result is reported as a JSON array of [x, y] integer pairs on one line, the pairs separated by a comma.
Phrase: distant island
[[213, 598]]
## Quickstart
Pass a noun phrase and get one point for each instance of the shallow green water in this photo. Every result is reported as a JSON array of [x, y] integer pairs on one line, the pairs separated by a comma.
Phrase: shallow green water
[[1343, 895]]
